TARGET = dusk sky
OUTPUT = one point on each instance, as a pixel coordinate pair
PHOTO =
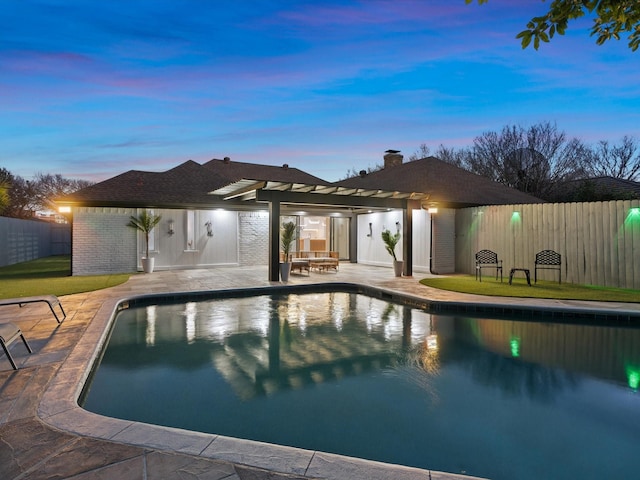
(92, 89)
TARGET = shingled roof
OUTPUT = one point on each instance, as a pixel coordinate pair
(192, 185)
(188, 184)
(235, 171)
(446, 184)
(600, 188)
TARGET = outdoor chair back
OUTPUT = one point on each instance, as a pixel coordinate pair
(487, 259)
(548, 260)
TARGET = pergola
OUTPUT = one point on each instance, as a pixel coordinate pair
(326, 196)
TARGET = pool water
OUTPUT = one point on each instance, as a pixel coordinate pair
(351, 374)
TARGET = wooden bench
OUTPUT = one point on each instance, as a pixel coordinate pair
(487, 259)
(548, 260)
(314, 260)
(300, 264)
(50, 300)
(9, 333)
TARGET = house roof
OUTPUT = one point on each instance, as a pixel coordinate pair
(225, 182)
(235, 171)
(609, 186)
(442, 183)
(188, 184)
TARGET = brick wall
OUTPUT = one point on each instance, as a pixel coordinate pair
(253, 229)
(102, 243)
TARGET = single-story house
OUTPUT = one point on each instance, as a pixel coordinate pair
(224, 212)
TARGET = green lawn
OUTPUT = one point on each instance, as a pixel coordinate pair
(543, 289)
(50, 275)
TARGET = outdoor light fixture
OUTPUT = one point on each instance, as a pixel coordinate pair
(432, 210)
(65, 209)
(634, 212)
(209, 229)
(171, 231)
(398, 226)
(633, 377)
(370, 234)
(514, 344)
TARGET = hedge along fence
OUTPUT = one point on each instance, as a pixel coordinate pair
(599, 241)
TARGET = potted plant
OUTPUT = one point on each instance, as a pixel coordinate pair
(145, 222)
(390, 241)
(287, 235)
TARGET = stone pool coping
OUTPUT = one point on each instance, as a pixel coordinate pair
(59, 405)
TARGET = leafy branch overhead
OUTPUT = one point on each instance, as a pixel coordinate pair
(613, 18)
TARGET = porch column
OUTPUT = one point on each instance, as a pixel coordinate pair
(407, 238)
(353, 239)
(274, 240)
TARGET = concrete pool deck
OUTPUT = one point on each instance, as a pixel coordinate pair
(45, 434)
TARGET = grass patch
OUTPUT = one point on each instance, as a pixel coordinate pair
(543, 289)
(51, 275)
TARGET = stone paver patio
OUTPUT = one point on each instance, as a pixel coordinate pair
(45, 434)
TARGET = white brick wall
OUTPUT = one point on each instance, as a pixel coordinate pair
(102, 242)
(253, 230)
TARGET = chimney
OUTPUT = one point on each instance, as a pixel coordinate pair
(285, 166)
(226, 160)
(392, 158)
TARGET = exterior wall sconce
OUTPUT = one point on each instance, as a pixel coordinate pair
(370, 234)
(398, 226)
(171, 231)
(209, 229)
(432, 210)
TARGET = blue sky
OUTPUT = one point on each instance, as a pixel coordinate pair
(92, 89)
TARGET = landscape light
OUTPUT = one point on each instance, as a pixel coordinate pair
(633, 377)
(514, 343)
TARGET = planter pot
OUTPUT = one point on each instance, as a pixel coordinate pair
(148, 264)
(285, 270)
(397, 267)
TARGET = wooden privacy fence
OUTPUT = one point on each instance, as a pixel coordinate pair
(23, 240)
(599, 241)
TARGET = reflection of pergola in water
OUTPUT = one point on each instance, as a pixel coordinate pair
(266, 365)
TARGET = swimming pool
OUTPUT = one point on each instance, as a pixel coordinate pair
(353, 374)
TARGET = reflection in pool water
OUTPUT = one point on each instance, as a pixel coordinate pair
(351, 374)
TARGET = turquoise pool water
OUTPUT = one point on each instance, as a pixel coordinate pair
(355, 375)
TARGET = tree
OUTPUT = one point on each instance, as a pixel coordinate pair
(49, 186)
(620, 160)
(5, 187)
(422, 152)
(4, 195)
(26, 197)
(22, 195)
(613, 18)
(532, 160)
